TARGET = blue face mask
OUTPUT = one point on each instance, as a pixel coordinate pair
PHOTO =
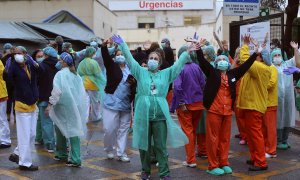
(223, 65)
(58, 66)
(39, 60)
(120, 59)
(152, 64)
(94, 44)
(163, 45)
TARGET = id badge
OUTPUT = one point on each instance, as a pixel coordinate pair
(153, 90)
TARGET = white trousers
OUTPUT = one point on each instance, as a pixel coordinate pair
(26, 130)
(4, 126)
(95, 111)
(116, 125)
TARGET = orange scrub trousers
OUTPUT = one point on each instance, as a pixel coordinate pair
(218, 127)
(252, 100)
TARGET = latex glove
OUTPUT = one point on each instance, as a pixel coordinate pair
(117, 39)
(291, 70)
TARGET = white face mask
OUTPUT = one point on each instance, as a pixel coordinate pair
(19, 58)
(277, 60)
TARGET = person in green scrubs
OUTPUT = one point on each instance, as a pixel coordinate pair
(152, 119)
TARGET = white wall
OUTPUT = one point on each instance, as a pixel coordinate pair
(176, 35)
(104, 21)
(38, 10)
(128, 20)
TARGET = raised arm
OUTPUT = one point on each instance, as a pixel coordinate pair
(108, 62)
(296, 53)
(177, 67)
(135, 68)
(205, 66)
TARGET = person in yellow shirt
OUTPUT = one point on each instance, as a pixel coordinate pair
(93, 81)
(22, 72)
(252, 102)
(270, 117)
(4, 126)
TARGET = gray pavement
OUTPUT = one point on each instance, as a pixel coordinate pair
(96, 166)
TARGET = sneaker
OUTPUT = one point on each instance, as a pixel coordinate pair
(271, 155)
(165, 178)
(30, 168)
(70, 164)
(288, 145)
(192, 165)
(50, 150)
(110, 155)
(14, 158)
(227, 169)
(56, 158)
(145, 176)
(282, 146)
(123, 158)
(216, 172)
(243, 142)
(4, 146)
(256, 168)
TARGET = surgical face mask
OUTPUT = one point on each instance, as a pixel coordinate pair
(163, 45)
(120, 59)
(19, 58)
(58, 65)
(94, 44)
(152, 64)
(223, 65)
(39, 60)
(277, 60)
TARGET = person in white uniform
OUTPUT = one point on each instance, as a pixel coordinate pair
(119, 93)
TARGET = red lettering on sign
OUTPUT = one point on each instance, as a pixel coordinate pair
(157, 5)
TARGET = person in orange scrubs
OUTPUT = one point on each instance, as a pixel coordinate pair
(219, 97)
(270, 117)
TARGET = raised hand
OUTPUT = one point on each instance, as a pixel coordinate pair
(117, 39)
(105, 42)
(291, 70)
(294, 45)
(193, 47)
(246, 39)
(254, 41)
(202, 41)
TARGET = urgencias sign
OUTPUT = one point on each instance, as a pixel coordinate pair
(157, 5)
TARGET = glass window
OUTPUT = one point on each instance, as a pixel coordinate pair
(146, 22)
(192, 20)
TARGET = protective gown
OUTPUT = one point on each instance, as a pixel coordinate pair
(69, 104)
(286, 100)
(162, 80)
(88, 68)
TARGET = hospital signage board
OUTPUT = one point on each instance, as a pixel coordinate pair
(241, 7)
(257, 31)
(157, 5)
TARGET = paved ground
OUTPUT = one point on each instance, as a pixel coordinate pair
(96, 166)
